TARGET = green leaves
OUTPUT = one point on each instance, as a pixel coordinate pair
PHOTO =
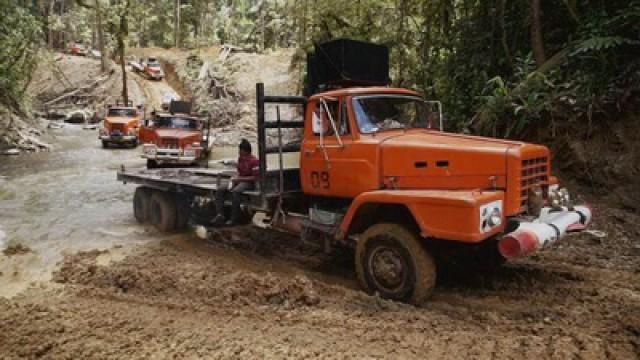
(599, 43)
(20, 37)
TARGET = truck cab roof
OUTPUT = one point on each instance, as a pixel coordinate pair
(373, 90)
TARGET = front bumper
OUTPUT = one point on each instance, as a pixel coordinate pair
(118, 138)
(169, 156)
(551, 226)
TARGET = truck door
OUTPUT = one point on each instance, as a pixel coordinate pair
(145, 133)
(330, 163)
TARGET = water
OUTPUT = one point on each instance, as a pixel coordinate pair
(62, 201)
(69, 200)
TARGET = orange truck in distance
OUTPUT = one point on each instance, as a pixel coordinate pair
(120, 125)
(175, 137)
(378, 173)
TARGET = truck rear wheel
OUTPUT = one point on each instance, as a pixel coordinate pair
(391, 261)
(183, 210)
(162, 211)
(151, 164)
(141, 200)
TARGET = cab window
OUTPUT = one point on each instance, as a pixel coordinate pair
(321, 119)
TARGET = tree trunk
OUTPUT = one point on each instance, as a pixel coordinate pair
(400, 43)
(537, 41)
(176, 24)
(52, 3)
(103, 55)
(122, 35)
(503, 36)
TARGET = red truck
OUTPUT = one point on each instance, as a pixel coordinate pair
(377, 175)
(150, 68)
(175, 137)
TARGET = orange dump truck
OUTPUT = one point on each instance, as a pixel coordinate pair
(376, 173)
(120, 125)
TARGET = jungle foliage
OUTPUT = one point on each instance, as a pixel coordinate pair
(501, 67)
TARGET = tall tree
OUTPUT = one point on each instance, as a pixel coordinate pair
(123, 32)
(176, 24)
(537, 40)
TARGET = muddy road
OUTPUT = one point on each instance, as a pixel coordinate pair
(79, 278)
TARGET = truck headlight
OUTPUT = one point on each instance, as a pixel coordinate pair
(490, 215)
(149, 150)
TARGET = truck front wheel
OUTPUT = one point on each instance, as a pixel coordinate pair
(391, 261)
(162, 211)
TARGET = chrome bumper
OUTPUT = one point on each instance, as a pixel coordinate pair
(115, 138)
(169, 155)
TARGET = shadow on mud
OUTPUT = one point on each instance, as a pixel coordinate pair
(338, 266)
(510, 277)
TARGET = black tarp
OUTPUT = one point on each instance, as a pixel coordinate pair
(180, 107)
(346, 62)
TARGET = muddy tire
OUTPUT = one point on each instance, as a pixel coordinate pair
(152, 164)
(162, 211)
(141, 202)
(183, 210)
(392, 261)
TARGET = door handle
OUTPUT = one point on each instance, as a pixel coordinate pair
(308, 152)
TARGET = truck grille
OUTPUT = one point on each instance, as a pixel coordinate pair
(169, 143)
(534, 172)
(117, 128)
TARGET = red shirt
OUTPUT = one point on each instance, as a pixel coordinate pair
(248, 165)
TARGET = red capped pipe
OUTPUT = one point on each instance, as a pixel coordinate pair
(518, 243)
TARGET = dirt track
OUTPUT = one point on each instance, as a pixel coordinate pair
(125, 291)
(247, 295)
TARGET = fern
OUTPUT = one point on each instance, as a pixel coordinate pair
(599, 43)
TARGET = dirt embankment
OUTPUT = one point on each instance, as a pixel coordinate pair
(250, 294)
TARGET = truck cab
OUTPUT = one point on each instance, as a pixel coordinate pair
(120, 125)
(174, 139)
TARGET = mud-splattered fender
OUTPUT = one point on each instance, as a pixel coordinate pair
(443, 214)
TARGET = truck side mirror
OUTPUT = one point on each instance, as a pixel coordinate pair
(438, 105)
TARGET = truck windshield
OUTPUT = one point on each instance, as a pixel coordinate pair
(176, 123)
(121, 112)
(386, 112)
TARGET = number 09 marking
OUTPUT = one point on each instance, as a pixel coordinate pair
(320, 180)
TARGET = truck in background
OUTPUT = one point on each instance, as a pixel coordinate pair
(150, 68)
(120, 125)
(378, 174)
(175, 137)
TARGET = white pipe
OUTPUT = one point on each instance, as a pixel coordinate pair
(551, 226)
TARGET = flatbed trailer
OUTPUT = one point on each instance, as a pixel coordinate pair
(193, 190)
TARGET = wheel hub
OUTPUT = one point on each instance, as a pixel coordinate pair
(387, 268)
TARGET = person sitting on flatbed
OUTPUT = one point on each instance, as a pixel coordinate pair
(247, 168)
